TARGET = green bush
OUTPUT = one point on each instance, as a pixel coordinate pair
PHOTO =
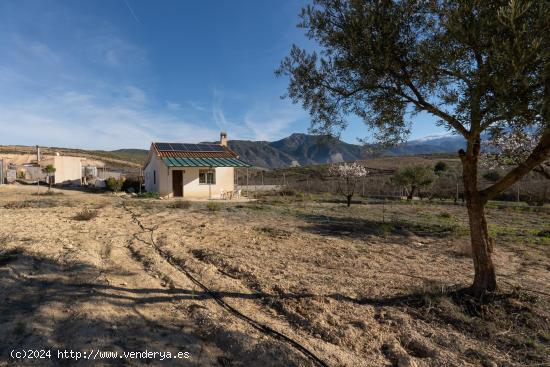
(213, 206)
(492, 176)
(440, 167)
(114, 184)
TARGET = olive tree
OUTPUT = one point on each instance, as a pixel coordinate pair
(479, 67)
(49, 170)
(414, 178)
(347, 174)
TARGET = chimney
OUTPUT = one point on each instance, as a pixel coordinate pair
(223, 139)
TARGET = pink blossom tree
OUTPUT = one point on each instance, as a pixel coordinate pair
(347, 174)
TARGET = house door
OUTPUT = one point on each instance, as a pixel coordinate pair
(177, 183)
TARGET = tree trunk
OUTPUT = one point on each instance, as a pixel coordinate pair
(348, 197)
(482, 244)
(411, 193)
(482, 248)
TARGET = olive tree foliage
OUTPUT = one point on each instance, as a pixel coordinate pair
(49, 170)
(413, 178)
(479, 67)
(348, 175)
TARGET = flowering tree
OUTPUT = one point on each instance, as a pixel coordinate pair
(348, 174)
(508, 149)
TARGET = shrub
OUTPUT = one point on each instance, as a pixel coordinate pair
(131, 184)
(86, 214)
(440, 167)
(213, 206)
(181, 204)
(114, 184)
(492, 176)
(287, 192)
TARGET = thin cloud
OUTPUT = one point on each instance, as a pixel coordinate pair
(87, 121)
(131, 11)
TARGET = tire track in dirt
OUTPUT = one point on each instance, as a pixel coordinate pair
(263, 328)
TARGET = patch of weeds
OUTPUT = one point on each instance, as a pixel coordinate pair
(148, 195)
(18, 204)
(48, 193)
(213, 206)
(515, 322)
(287, 192)
(545, 233)
(274, 232)
(180, 204)
(255, 206)
(86, 214)
(445, 215)
(385, 229)
(45, 203)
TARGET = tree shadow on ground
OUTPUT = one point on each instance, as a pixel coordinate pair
(43, 306)
(326, 225)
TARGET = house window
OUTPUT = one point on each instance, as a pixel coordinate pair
(207, 177)
(154, 177)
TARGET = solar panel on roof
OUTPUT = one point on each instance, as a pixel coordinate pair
(178, 147)
(164, 147)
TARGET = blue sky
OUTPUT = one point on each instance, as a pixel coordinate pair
(111, 74)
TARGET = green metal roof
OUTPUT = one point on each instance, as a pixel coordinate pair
(204, 162)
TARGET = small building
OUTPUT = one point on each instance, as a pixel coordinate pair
(68, 170)
(191, 170)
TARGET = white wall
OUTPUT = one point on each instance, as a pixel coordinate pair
(163, 183)
(67, 169)
(191, 187)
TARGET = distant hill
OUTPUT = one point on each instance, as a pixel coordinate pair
(304, 149)
(296, 149)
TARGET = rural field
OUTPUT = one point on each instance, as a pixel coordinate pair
(293, 280)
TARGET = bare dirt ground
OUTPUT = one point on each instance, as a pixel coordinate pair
(279, 282)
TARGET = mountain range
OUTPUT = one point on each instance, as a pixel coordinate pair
(296, 149)
(303, 149)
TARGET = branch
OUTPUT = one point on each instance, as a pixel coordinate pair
(427, 106)
(537, 156)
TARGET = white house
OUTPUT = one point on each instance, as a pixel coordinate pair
(191, 170)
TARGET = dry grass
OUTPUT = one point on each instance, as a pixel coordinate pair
(180, 204)
(213, 206)
(371, 285)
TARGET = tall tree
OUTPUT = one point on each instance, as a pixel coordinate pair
(480, 67)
